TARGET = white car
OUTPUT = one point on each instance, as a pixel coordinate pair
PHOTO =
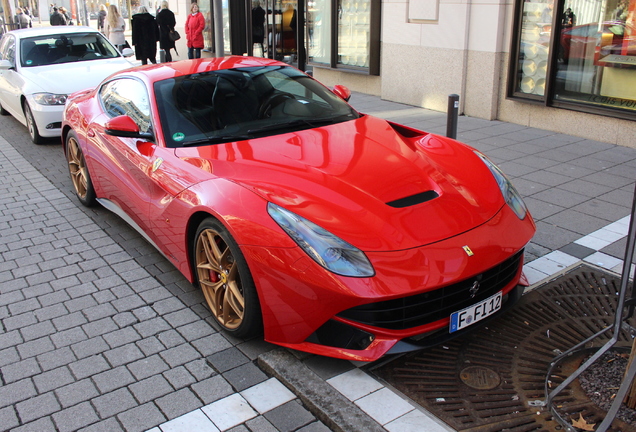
(40, 67)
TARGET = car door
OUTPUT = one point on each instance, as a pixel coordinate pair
(11, 82)
(119, 167)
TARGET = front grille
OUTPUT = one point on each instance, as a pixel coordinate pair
(428, 307)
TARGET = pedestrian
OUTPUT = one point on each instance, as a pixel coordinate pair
(63, 11)
(28, 13)
(258, 26)
(101, 18)
(22, 19)
(115, 26)
(194, 31)
(145, 34)
(166, 22)
(2, 30)
(57, 19)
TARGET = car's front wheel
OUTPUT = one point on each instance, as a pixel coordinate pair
(222, 273)
(33, 128)
(79, 171)
(3, 111)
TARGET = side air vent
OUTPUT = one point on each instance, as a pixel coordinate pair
(414, 199)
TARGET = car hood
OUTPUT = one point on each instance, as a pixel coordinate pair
(376, 185)
(85, 74)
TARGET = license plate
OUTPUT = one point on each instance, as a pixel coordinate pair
(475, 313)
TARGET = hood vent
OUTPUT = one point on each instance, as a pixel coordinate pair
(414, 199)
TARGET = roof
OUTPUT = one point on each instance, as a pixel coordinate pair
(51, 30)
(161, 71)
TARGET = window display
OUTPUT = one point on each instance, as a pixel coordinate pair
(344, 34)
(353, 32)
(319, 30)
(594, 64)
(536, 30)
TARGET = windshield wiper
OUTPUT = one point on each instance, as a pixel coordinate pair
(216, 140)
(294, 124)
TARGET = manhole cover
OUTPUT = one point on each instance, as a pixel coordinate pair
(480, 378)
(484, 381)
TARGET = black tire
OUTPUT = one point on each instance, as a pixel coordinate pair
(31, 126)
(222, 273)
(80, 177)
(3, 111)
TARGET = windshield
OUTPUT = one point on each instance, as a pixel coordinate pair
(56, 49)
(236, 104)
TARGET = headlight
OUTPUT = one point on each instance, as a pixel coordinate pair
(331, 252)
(508, 191)
(49, 98)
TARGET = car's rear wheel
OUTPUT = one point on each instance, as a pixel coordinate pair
(222, 273)
(3, 111)
(79, 171)
(33, 128)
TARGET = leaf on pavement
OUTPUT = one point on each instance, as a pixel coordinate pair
(582, 424)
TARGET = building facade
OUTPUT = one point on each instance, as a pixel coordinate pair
(564, 65)
(568, 66)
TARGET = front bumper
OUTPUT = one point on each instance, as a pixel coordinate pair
(303, 304)
(48, 118)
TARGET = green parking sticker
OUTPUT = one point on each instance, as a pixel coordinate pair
(178, 136)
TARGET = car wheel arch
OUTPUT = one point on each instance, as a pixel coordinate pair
(193, 225)
(30, 122)
(250, 320)
(65, 131)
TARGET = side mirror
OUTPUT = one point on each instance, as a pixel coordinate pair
(125, 127)
(127, 52)
(342, 91)
(5, 64)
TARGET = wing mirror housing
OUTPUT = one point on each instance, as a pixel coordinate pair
(125, 127)
(5, 64)
(342, 91)
(127, 52)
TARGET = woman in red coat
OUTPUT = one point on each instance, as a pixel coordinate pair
(194, 31)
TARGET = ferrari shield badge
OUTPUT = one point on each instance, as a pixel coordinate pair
(156, 164)
(468, 251)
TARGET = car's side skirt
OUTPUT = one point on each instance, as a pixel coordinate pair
(111, 206)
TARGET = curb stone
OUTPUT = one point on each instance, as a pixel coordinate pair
(326, 403)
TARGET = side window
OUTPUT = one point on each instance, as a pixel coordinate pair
(127, 96)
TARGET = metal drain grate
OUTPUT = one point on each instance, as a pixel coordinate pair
(483, 381)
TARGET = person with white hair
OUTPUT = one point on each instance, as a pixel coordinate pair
(145, 35)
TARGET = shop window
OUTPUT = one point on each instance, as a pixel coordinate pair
(578, 54)
(344, 34)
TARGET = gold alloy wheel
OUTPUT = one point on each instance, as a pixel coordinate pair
(219, 278)
(77, 167)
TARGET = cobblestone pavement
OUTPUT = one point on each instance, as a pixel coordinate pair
(99, 332)
(97, 329)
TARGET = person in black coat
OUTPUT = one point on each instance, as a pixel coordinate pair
(258, 25)
(166, 23)
(57, 18)
(145, 35)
